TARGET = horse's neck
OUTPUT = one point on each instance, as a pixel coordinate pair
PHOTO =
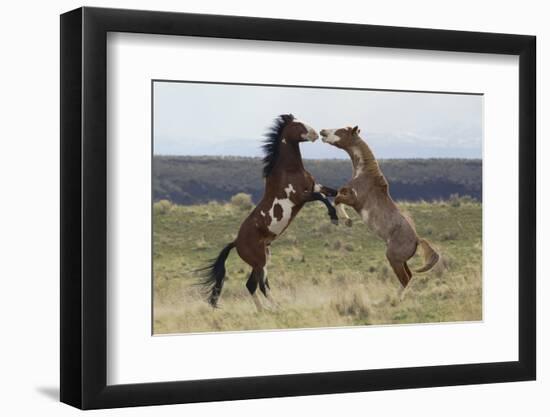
(290, 157)
(363, 160)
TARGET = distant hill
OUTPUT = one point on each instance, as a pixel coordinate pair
(193, 180)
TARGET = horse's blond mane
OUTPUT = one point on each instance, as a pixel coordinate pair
(364, 160)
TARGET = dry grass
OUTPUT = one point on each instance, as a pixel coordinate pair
(321, 275)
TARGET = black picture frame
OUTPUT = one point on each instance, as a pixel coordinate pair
(84, 207)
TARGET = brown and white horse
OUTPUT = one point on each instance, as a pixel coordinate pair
(368, 193)
(288, 186)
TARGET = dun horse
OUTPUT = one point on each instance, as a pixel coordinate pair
(367, 192)
(288, 186)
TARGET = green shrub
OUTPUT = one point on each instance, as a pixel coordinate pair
(162, 207)
(454, 200)
(242, 201)
(466, 199)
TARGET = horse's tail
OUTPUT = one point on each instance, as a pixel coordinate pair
(214, 275)
(430, 255)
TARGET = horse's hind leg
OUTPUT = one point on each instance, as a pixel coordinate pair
(266, 291)
(403, 290)
(262, 282)
(399, 250)
(267, 262)
(254, 254)
(400, 269)
(258, 278)
(266, 288)
(252, 286)
(409, 273)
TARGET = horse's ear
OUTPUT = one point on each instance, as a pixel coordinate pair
(356, 130)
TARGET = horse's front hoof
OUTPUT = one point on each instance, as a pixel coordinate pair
(348, 222)
(334, 221)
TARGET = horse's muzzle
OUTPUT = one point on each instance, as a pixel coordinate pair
(311, 135)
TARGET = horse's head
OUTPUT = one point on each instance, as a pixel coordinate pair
(342, 138)
(297, 131)
(286, 130)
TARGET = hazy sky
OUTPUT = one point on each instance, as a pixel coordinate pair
(215, 119)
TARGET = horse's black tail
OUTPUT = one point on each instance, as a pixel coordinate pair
(214, 275)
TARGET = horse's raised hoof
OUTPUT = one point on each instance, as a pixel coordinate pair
(348, 222)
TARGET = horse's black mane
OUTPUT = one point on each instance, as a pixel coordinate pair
(272, 140)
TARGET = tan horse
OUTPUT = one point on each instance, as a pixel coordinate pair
(367, 192)
(288, 186)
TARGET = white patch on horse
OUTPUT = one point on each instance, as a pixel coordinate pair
(317, 188)
(365, 215)
(330, 137)
(311, 133)
(278, 226)
(284, 140)
(371, 224)
(354, 192)
(358, 165)
(262, 213)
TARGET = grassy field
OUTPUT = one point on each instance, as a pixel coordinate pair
(321, 275)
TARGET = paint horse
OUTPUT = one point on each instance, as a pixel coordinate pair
(288, 186)
(368, 193)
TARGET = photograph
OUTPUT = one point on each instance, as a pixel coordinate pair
(278, 207)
